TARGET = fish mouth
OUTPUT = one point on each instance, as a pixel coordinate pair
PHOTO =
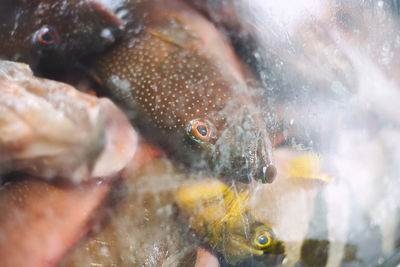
(267, 175)
(245, 175)
(249, 158)
(263, 167)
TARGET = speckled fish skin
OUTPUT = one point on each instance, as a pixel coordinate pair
(81, 27)
(178, 69)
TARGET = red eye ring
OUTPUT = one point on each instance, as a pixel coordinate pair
(200, 130)
(46, 37)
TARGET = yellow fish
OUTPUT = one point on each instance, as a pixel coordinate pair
(307, 166)
(221, 216)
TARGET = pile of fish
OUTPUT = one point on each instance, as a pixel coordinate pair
(199, 133)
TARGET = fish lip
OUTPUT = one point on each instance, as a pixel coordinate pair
(246, 175)
(268, 174)
(237, 174)
(258, 165)
(265, 175)
(263, 163)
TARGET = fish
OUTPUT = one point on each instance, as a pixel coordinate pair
(50, 34)
(307, 213)
(157, 207)
(305, 218)
(52, 218)
(344, 220)
(50, 130)
(223, 218)
(144, 229)
(220, 215)
(318, 59)
(180, 82)
(41, 221)
(281, 44)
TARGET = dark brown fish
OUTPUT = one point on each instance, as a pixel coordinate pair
(52, 31)
(189, 93)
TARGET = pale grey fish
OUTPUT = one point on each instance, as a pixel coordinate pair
(49, 129)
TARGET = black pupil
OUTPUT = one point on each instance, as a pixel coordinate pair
(202, 130)
(47, 37)
(263, 240)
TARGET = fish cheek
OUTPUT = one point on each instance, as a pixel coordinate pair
(201, 155)
(207, 147)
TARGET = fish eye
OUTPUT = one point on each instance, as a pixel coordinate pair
(46, 37)
(200, 130)
(263, 240)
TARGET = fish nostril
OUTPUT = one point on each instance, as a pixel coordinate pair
(269, 174)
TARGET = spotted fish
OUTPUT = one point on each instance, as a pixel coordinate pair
(51, 32)
(182, 84)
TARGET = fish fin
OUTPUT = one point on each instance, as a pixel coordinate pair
(103, 12)
(238, 204)
(197, 193)
(307, 167)
(172, 30)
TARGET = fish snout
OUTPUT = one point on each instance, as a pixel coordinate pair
(267, 174)
(264, 169)
(249, 159)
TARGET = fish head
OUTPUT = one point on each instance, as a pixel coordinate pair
(235, 143)
(265, 239)
(249, 153)
(221, 215)
(53, 31)
(252, 239)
